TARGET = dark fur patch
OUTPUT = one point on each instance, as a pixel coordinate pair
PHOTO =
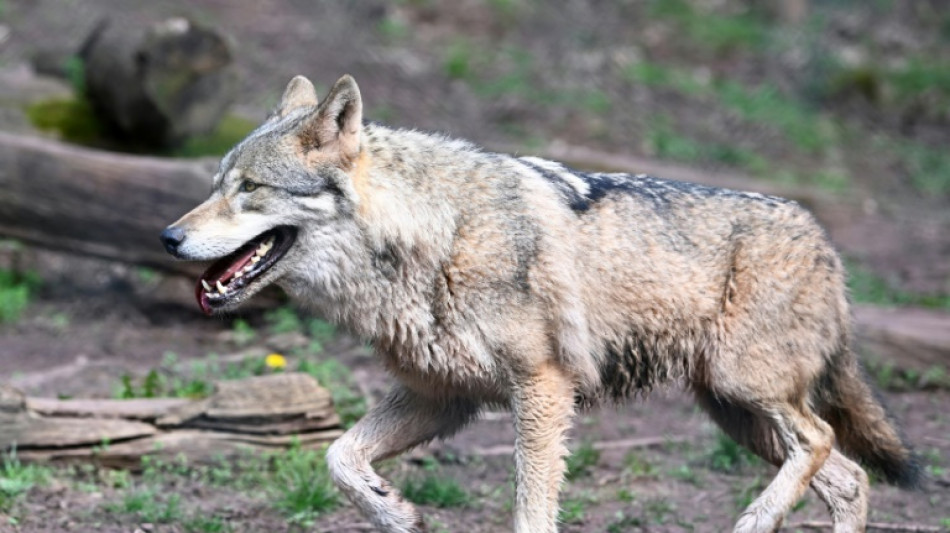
(387, 260)
(638, 365)
(658, 192)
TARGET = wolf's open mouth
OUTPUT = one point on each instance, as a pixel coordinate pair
(230, 276)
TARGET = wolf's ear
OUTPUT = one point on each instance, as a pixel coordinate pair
(299, 93)
(338, 121)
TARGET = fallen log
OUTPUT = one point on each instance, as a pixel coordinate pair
(96, 203)
(259, 413)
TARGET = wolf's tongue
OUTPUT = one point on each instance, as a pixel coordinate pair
(238, 264)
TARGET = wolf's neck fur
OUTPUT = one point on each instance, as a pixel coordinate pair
(388, 283)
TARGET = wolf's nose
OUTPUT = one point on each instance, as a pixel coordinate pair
(171, 238)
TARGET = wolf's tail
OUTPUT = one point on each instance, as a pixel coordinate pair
(862, 426)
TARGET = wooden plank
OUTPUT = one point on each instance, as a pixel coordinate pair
(134, 409)
(200, 447)
(61, 432)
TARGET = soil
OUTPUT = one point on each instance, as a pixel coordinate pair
(93, 322)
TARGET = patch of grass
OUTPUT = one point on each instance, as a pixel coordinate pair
(16, 291)
(149, 505)
(582, 461)
(301, 483)
(654, 74)
(664, 142)
(392, 29)
(721, 34)
(16, 479)
(283, 320)
(242, 332)
(867, 287)
(336, 377)
(622, 523)
(749, 492)
(434, 490)
(200, 523)
(728, 455)
(685, 473)
(458, 60)
(929, 168)
(659, 510)
(765, 104)
(888, 376)
(573, 510)
(637, 466)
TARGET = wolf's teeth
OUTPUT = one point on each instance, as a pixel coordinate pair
(248, 268)
(205, 285)
(255, 259)
(239, 273)
(220, 287)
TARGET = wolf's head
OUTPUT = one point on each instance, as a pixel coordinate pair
(286, 185)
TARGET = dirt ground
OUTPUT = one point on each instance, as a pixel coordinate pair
(672, 484)
(93, 322)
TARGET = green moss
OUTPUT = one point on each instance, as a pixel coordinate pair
(75, 121)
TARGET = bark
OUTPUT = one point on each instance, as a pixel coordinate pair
(96, 203)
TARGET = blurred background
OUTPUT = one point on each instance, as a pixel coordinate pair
(112, 117)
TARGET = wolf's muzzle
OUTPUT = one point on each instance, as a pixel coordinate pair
(172, 237)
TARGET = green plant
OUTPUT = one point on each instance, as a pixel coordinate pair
(16, 291)
(457, 63)
(719, 33)
(659, 509)
(685, 473)
(334, 376)
(17, 478)
(867, 287)
(728, 455)
(581, 461)
(573, 510)
(200, 523)
(283, 320)
(637, 466)
(242, 332)
(301, 483)
(434, 490)
(929, 168)
(624, 523)
(748, 492)
(149, 505)
(765, 104)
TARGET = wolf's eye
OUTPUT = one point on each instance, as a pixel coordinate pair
(248, 186)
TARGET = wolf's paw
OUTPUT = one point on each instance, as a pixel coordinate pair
(755, 520)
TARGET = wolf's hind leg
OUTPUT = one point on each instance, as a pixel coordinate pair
(543, 405)
(843, 485)
(401, 421)
(840, 483)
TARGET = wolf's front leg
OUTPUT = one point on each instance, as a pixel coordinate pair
(543, 404)
(402, 420)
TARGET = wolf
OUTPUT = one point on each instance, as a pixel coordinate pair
(488, 279)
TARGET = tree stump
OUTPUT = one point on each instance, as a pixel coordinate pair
(156, 86)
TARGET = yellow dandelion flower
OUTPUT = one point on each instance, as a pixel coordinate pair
(275, 361)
